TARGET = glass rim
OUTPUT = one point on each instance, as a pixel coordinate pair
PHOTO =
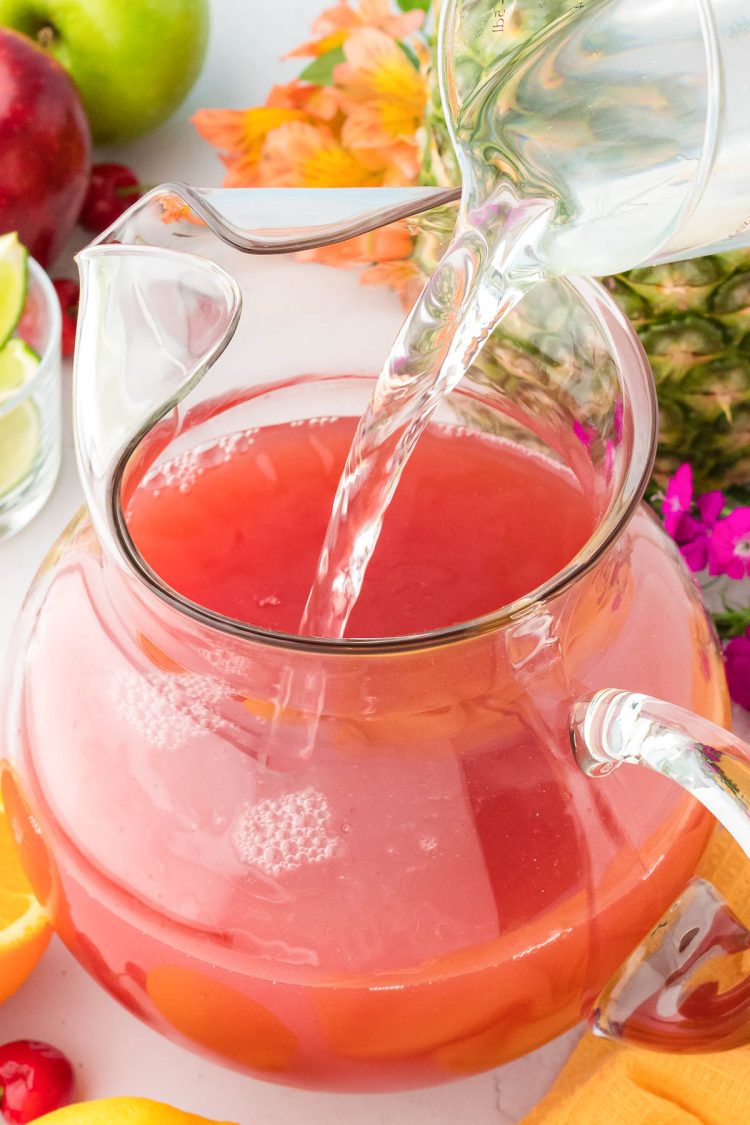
(640, 396)
(50, 355)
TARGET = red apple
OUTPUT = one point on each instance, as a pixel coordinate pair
(45, 147)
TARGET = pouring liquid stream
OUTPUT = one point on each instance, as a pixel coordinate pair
(496, 254)
(489, 265)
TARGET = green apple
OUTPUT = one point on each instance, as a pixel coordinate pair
(133, 61)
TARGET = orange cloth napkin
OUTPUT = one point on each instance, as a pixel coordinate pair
(606, 1083)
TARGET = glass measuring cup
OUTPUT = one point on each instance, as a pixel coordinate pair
(627, 115)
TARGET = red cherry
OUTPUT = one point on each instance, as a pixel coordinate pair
(68, 292)
(112, 189)
(35, 1079)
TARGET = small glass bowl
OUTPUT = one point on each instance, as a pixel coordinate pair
(31, 419)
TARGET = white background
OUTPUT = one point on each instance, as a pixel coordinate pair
(113, 1053)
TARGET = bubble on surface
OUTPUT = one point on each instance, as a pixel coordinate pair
(231, 444)
(226, 662)
(453, 430)
(167, 710)
(181, 472)
(280, 834)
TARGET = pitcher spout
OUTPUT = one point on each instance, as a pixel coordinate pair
(151, 323)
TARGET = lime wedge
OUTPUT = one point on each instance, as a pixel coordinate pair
(19, 442)
(18, 362)
(13, 281)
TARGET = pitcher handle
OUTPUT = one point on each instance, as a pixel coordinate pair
(687, 986)
(614, 727)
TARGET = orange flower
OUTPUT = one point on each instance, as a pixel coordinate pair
(176, 210)
(334, 26)
(405, 277)
(359, 131)
(302, 155)
(320, 102)
(399, 163)
(386, 244)
(382, 93)
(242, 171)
(242, 132)
(378, 14)
(386, 252)
(383, 97)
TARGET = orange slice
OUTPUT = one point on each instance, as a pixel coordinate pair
(124, 1111)
(24, 929)
(221, 1019)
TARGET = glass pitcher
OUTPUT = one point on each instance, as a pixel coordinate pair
(370, 863)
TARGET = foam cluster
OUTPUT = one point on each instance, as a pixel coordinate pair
(281, 834)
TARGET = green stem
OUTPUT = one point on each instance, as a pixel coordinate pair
(732, 623)
(47, 36)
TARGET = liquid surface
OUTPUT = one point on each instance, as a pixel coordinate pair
(475, 524)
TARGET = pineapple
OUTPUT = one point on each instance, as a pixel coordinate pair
(693, 317)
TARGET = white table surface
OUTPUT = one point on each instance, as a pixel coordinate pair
(114, 1054)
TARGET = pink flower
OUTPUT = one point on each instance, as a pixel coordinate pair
(711, 505)
(729, 548)
(692, 537)
(678, 498)
(584, 433)
(737, 664)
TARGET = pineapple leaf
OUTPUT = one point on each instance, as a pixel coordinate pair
(734, 295)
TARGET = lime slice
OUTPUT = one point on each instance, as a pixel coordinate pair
(18, 362)
(13, 282)
(19, 442)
